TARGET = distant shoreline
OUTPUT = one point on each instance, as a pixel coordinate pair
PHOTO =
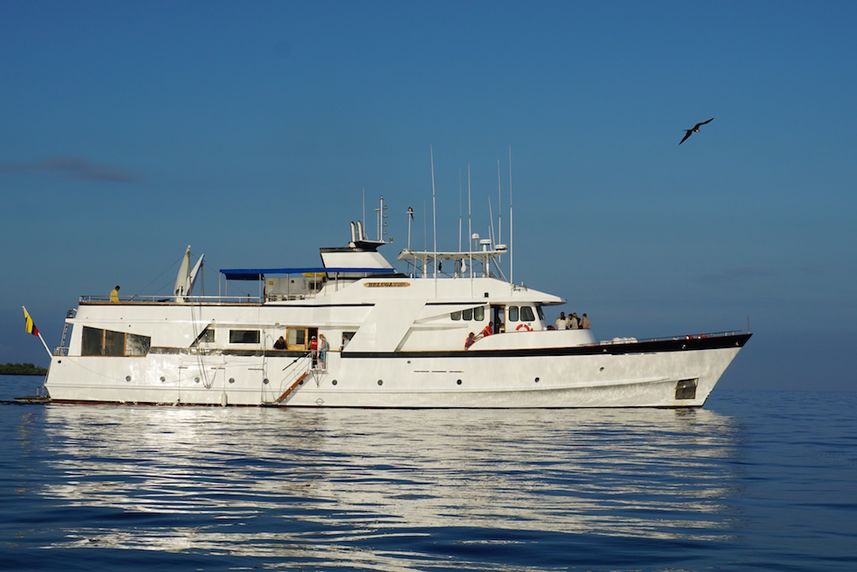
(21, 369)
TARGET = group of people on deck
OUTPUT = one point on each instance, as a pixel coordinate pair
(472, 337)
(572, 322)
(318, 347)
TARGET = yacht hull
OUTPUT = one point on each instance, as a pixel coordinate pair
(677, 372)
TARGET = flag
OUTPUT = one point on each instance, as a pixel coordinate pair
(29, 325)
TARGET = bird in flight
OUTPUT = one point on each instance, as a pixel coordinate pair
(694, 129)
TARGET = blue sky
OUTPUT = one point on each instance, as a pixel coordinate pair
(249, 129)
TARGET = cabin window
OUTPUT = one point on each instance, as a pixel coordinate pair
(476, 314)
(527, 314)
(205, 336)
(244, 336)
(540, 312)
(513, 313)
(92, 341)
(137, 345)
(346, 337)
(296, 337)
(98, 342)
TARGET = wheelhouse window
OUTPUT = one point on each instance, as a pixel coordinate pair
(471, 314)
(244, 336)
(521, 314)
(99, 342)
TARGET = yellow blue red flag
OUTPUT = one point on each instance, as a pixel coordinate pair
(29, 325)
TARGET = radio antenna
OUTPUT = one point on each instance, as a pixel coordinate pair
(499, 206)
(433, 213)
(511, 225)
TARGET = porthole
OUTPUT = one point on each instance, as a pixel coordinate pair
(380, 382)
(334, 382)
(231, 380)
(266, 381)
(537, 380)
(458, 382)
(127, 378)
(163, 379)
(601, 368)
(196, 380)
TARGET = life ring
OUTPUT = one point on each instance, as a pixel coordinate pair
(523, 326)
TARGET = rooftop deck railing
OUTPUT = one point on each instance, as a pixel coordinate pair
(147, 299)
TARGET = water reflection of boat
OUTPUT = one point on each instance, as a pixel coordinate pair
(329, 483)
(354, 332)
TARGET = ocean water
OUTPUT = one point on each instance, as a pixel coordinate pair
(764, 480)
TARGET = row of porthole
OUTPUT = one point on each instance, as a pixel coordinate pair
(457, 381)
(196, 379)
(267, 381)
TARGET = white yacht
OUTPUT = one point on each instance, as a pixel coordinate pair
(358, 333)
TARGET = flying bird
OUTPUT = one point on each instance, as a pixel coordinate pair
(694, 129)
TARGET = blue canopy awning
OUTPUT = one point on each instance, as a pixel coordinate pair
(260, 273)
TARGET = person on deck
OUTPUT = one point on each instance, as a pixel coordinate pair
(313, 350)
(114, 295)
(585, 322)
(280, 344)
(573, 322)
(561, 321)
(471, 339)
(323, 346)
(488, 330)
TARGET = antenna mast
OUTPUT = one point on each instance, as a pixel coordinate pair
(433, 213)
(511, 225)
(499, 206)
(410, 220)
(459, 210)
(469, 224)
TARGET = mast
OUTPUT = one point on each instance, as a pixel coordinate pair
(511, 225)
(459, 210)
(469, 224)
(499, 206)
(433, 214)
(410, 220)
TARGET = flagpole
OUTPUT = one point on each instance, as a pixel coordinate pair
(26, 313)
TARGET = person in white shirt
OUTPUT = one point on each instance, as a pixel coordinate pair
(561, 322)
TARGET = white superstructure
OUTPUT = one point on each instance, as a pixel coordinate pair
(394, 340)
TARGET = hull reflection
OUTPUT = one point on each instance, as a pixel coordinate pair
(387, 489)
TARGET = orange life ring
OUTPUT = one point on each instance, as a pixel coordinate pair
(524, 326)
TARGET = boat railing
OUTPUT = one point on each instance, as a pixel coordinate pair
(150, 299)
(674, 338)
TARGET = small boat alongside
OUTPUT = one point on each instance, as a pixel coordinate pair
(357, 332)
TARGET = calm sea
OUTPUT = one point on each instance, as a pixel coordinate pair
(756, 480)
